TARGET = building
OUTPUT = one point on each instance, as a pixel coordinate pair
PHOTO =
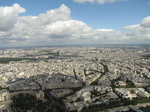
(4, 95)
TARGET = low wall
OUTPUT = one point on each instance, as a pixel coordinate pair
(33, 93)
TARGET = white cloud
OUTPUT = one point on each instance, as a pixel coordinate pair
(105, 30)
(139, 31)
(71, 29)
(148, 3)
(109, 35)
(98, 1)
(133, 27)
(9, 16)
(57, 27)
(146, 22)
(82, 1)
(62, 14)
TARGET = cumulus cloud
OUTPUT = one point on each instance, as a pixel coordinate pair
(62, 14)
(57, 27)
(71, 29)
(9, 16)
(133, 27)
(146, 22)
(139, 31)
(98, 1)
(29, 28)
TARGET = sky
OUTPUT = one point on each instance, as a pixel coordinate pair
(71, 22)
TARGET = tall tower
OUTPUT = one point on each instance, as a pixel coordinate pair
(75, 75)
(4, 95)
(40, 95)
(83, 77)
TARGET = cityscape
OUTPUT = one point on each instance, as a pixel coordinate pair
(74, 55)
(81, 78)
